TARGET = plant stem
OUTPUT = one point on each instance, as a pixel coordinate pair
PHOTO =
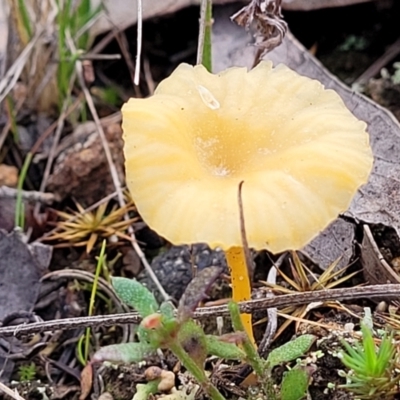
(196, 371)
(19, 206)
(257, 363)
(207, 50)
(204, 54)
(23, 22)
(99, 266)
(252, 356)
(241, 288)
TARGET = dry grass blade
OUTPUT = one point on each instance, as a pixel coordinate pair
(390, 319)
(9, 392)
(139, 41)
(301, 282)
(11, 77)
(33, 20)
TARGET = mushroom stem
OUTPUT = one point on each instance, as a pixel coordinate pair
(241, 288)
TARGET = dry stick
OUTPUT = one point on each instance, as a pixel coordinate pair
(54, 125)
(391, 53)
(103, 42)
(96, 57)
(373, 291)
(113, 169)
(42, 197)
(148, 77)
(139, 40)
(103, 286)
(123, 44)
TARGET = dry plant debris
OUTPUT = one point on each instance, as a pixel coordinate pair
(303, 280)
(81, 228)
(268, 20)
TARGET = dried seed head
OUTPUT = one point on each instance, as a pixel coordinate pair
(266, 16)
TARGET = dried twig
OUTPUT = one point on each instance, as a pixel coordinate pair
(148, 77)
(390, 54)
(123, 44)
(103, 286)
(369, 292)
(46, 198)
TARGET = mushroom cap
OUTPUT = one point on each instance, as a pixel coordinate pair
(300, 152)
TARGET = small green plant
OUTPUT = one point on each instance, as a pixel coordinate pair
(27, 372)
(84, 340)
(355, 43)
(166, 328)
(72, 19)
(372, 368)
(395, 77)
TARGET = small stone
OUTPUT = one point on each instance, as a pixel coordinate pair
(8, 175)
(106, 396)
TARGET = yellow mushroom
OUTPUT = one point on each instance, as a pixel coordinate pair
(300, 152)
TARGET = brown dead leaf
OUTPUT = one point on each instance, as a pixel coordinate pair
(268, 21)
(376, 269)
(20, 260)
(86, 381)
(335, 242)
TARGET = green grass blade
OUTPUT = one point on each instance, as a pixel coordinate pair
(25, 20)
(207, 50)
(19, 205)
